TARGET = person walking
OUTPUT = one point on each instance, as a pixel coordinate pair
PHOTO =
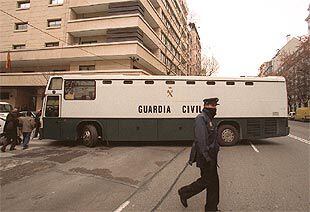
(10, 130)
(28, 124)
(204, 153)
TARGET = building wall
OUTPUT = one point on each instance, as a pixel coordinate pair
(80, 22)
(195, 51)
(308, 20)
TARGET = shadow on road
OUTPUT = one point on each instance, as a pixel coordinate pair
(104, 144)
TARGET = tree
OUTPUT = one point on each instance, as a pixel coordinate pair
(295, 68)
(209, 66)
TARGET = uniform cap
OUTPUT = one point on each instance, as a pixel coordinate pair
(211, 101)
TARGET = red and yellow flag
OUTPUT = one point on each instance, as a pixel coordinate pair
(8, 64)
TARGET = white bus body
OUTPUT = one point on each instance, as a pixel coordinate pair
(123, 108)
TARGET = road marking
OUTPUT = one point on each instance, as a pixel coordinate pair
(252, 145)
(299, 139)
(120, 208)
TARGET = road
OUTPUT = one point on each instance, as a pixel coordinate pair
(260, 175)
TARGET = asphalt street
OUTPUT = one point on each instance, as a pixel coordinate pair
(259, 175)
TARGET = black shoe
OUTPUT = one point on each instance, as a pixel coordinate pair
(11, 149)
(2, 149)
(212, 210)
(182, 199)
(25, 147)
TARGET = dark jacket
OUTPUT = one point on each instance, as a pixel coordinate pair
(205, 147)
(11, 124)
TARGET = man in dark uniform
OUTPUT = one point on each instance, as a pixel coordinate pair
(10, 130)
(204, 152)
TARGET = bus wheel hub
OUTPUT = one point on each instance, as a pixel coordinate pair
(86, 135)
(228, 135)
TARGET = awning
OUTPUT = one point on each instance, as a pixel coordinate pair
(23, 79)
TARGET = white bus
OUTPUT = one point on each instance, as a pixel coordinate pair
(161, 108)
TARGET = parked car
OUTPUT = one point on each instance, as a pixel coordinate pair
(303, 114)
(291, 115)
(2, 122)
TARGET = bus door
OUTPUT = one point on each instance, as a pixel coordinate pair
(52, 120)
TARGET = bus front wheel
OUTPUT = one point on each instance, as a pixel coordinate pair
(228, 135)
(89, 135)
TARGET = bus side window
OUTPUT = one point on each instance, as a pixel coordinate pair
(149, 82)
(107, 82)
(190, 82)
(170, 82)
(80, 90)
(128, 82)
(55, 83)
(52, 106)
(230, 83)
(249, 83)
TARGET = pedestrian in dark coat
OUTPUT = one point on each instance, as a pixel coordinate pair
(10, 130)
(204, 153)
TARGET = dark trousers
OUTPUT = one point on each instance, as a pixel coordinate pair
(36, 132)
(10, 139)
(209, 180)
(26, 138)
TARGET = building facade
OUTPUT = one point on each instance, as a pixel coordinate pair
(195, 51)
(41, 38)
(308, 20)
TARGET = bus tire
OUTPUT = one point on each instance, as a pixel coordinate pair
(89, 135)
(228, 135)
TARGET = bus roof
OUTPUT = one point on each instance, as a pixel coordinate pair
(163, 77)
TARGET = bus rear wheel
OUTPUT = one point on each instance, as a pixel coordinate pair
(228, 135)
(89, 135)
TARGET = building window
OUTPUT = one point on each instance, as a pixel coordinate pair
(52, 44)
(19, 46)
(23, 4)
(54, 23)
(56, 2)
(21, 26)
(87, 67)
(80, 89)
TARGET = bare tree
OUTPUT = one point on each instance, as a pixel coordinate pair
(209, 66)
(295, 68)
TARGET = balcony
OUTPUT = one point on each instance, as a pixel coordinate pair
(91, 52)
(104, 8)
(114, 29)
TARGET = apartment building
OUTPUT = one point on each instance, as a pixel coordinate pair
(40, 38)
(308, 20)
(195, 51)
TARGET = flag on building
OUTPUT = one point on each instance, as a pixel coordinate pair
(8, 64)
